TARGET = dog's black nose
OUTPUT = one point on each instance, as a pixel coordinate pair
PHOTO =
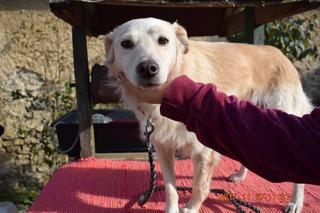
(148, 69)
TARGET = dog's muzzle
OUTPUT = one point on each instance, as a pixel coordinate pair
(148, 69)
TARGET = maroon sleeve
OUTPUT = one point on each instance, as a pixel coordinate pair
(273, 144)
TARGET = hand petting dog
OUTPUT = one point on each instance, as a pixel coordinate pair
(151, 95)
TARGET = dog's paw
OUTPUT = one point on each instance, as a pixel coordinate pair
(172, 210)
(187, 210)
(236, 178)
(293, 208)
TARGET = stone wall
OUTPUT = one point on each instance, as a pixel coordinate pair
(36, 67)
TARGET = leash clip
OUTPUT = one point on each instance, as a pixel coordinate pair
(149, 128)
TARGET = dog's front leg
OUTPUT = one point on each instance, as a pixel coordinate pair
(296, 203)
(166, 159)
(203, 163)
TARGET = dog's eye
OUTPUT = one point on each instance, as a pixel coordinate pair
(163, 40)
(127, 44)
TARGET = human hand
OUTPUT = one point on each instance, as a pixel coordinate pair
(151, 95)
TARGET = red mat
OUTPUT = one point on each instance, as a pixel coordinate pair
(92, 186)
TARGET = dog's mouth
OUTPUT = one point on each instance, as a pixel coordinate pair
(142, 83)
(149, 85)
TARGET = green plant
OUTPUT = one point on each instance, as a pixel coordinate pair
(21, 196)
(293, 37)
(63, 101)
(16, 95)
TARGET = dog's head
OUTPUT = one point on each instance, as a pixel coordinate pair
(145, 50)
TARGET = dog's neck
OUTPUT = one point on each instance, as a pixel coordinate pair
(140, 108)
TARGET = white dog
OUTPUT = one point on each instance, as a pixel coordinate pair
(147, 50)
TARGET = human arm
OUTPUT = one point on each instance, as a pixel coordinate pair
(271, 143)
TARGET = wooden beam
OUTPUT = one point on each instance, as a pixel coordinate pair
(166, 3)
(267, 14)
(81, 73)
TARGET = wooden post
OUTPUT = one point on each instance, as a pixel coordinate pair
(250, 24)
(80, 60)
(253, 35)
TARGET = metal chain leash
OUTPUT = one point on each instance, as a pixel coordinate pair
(153, 176)
(144, 197)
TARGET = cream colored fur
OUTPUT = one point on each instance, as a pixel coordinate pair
(261, 74)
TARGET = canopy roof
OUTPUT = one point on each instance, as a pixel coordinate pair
(224, 17)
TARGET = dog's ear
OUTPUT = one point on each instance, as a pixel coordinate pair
(108, 39)
(182, 36)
